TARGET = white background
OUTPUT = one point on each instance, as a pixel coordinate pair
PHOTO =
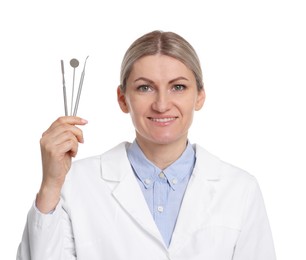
(254, 63)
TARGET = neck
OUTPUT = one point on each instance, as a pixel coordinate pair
(162, 155)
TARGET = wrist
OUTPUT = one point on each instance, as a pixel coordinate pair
(47, 198)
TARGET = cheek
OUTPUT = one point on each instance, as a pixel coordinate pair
(188, 105)
(137, 105)
(135, 109)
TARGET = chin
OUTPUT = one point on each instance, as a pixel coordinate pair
(166, 140)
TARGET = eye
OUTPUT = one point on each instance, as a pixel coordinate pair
(144, 88)
(179, 87)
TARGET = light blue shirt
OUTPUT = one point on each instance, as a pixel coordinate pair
(163, 189)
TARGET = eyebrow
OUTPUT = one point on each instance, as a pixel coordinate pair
(144, 79)
(152, 82)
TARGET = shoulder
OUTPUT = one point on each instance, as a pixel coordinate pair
(234, 191)
(89, 175)
(212, 167)
(92, 165)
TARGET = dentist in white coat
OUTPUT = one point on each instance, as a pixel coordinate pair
(157, 198)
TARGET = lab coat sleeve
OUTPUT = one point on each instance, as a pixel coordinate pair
(47, 236)
(255, 240)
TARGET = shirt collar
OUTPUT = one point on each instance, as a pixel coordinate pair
(148, 173)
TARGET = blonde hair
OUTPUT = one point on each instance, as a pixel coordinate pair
(166, 43)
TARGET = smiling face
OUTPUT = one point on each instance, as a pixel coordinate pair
(161, 96)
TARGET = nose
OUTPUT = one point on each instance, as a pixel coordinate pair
(162, 102)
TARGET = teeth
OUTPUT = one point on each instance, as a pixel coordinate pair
(162, 120)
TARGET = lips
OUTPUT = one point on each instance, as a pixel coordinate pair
(162, 120)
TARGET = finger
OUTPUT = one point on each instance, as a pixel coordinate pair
(70, 146)
(60, 129)
(71, 120)
(67, 130)
(58, 147)
(55, 138)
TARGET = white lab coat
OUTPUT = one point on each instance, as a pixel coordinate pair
(103, 216)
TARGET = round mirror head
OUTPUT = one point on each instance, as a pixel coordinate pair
(74, 63)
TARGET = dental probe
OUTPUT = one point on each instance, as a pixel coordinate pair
(80, 89)
(64, 88)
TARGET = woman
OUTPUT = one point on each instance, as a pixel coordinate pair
(159, 197)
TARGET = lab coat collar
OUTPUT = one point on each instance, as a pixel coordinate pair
(208, 163)
(114, 163)
(204, 160)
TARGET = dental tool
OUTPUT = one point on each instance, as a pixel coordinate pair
(64, 88)
(80, 89)
(74, 63)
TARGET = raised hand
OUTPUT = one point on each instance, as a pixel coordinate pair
(58, 145)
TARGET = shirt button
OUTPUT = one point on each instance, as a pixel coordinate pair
(160, 209)
(162, 175)
(147, 181)
(174, 181)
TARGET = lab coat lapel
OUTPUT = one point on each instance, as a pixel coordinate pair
(195, 210)
(126, 190)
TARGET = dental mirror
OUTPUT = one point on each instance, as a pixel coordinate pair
(74, 63)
